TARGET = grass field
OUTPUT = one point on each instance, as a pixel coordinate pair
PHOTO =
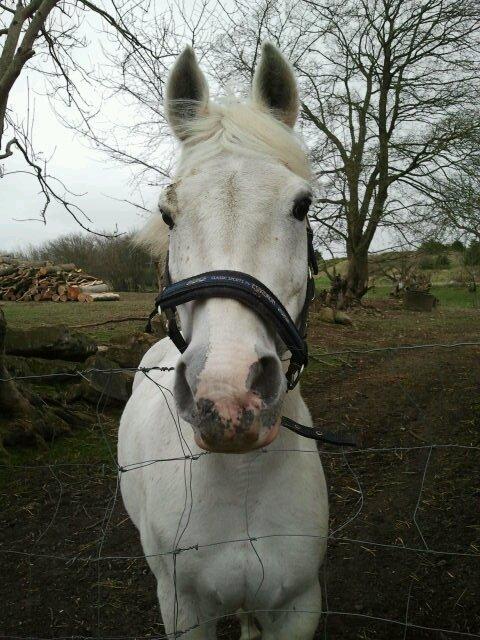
(449, 296)
(60, 509)
(30, 314)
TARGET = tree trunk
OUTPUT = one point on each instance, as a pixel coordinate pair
(357, 277)
(11, 401)
(15, 410)
(25, 418)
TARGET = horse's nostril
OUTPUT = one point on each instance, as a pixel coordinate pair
(183, 392)
(266, 379)
(222, 393)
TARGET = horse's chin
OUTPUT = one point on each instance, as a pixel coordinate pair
(237, 446)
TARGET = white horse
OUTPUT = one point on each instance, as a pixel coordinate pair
(252, 526)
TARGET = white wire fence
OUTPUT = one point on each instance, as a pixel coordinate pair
(405, 554)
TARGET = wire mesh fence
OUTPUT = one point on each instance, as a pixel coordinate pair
(353, 474)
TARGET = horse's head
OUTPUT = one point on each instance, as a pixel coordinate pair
(239, 202)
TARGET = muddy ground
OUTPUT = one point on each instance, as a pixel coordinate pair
(57, 519)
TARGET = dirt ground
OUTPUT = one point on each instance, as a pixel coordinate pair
(59, 518)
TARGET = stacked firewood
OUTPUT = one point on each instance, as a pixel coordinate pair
(26, 281)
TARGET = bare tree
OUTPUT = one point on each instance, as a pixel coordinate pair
(456, 201)
(138, 74)
(389, 95)
(43, 36)
(388, 87)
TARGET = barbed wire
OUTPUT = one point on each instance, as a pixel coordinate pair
(83, 373)
(189, 458)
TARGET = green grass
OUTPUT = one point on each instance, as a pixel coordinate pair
(451, 322)
(322, 282)
(33, 314)
(95, 444)
(449, 296)
(455, 297)
(458, 297)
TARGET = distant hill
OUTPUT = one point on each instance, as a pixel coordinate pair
(445, 266)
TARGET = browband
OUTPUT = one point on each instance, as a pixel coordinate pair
(246, 289)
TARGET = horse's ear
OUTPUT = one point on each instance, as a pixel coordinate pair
(186, 94)
(274, 85)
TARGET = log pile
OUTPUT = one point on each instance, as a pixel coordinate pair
(26, 281)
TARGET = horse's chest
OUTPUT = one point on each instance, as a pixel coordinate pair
(245, 574)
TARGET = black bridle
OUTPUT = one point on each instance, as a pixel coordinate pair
(254, 294)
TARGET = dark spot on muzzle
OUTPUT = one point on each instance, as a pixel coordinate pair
(214, 428)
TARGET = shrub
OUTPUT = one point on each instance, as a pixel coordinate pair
(471, 256)
(457, 245)
(426, 262)
(118, 261)
(442, 261)
(432, 247)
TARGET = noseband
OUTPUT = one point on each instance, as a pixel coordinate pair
(243, 287)
(252, 293)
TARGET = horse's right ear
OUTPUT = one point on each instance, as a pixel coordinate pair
(186, 94)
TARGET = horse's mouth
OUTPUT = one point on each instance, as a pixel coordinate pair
(238, 443)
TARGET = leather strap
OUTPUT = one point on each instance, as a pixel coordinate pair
(246, 289)
(344, 440)
(251, 292)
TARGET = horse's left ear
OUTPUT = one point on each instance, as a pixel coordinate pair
(186, 93)
(274, 85)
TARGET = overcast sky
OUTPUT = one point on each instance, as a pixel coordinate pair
(104, 183)
(83, 169)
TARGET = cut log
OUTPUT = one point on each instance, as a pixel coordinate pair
(103, 297)
(63, 370)
(84, 297)
(94, 288)
(15, 411)
(130, 354)
(20, 279)
(43, 271)
(72, 292)
(47, 295)
(103, 385)
(68, 266)
(49, 342)
(8, 270)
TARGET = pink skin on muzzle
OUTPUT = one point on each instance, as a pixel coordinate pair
(233, 399)
(228, 409)
(230, 446)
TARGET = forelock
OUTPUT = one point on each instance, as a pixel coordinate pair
(242, 128)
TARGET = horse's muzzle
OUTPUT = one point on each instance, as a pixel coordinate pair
(233, 429)
(231, 410)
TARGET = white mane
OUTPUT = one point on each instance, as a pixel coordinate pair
(237, 128)
(153, 236)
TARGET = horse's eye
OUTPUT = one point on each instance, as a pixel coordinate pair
(301, 207)
(167, 218)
